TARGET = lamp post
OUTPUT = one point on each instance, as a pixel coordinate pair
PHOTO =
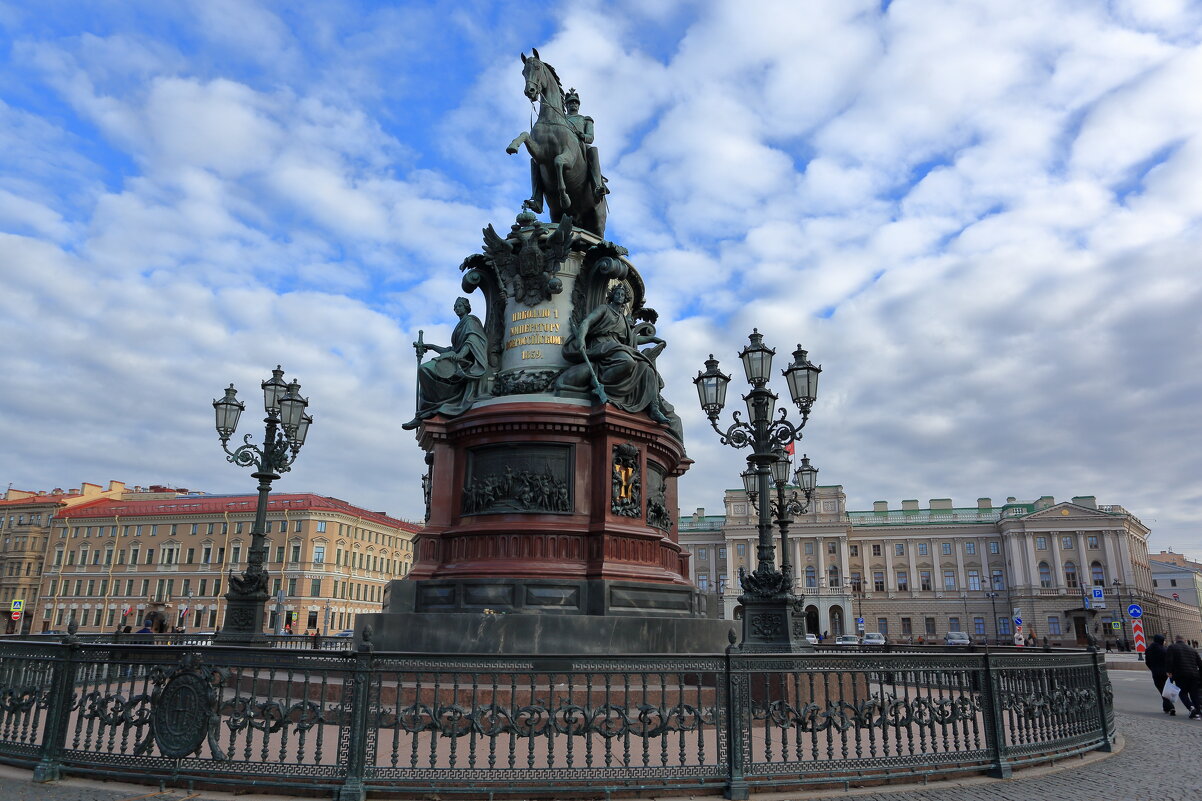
(286, 428)
(997, 635)
(1118, 591)
(325, 621)
(772, 619)
(784, 507)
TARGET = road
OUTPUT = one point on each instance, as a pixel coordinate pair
(1160, 760)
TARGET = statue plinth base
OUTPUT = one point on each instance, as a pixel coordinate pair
(243, 623)
(774, 625)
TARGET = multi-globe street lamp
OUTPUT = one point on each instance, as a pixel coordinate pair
(785, 506)
(287, 425)
(772, 619)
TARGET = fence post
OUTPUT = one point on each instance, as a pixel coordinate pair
(58, 710)
(995, 733)
(361, 679)
(1099, 665)
(736, 725)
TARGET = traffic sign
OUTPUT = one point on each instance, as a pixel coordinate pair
(1176, 597)
(18, 605)
(1137, 633)
(1099, 593)
(16, 615)
(1135, 611)
(1115, 624)
(1018, 621)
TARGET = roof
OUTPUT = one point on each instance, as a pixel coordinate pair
(221, 504)
(39, 499)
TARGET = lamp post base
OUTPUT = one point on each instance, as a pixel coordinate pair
(773, 625)
(243, 620)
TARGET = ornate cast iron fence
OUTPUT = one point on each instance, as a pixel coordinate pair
(356, 723)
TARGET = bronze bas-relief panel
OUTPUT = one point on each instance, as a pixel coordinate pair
(522, 477)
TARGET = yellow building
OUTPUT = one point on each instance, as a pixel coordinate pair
(164, 562)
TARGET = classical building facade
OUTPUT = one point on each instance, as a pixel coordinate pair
(25, 519)
(1067, 570)
(164, 561)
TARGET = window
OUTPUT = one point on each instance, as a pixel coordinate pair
(741, 550)
(722, 552)
(191, 556)
(1172, 582)
(203, 585)
(319, 554)
(809, 549)
(315, 588)
(853, 550)
(878, 581)
(978, 626)
(1003, 625)
(995, 547)
(924, 580)
(974, 580)
(899, 549)
(811, 576)
(832, 576)
(1070, 576)
(1092, 541)
(856, 582)
(1045, 575)
(297, 527)
(945, 548)
(321, 526)
(1053, 624)
(206, 554)
(930, 626)
(236, 553)
(924, 549)
(949, 579)
(195, 528)
(296, 549)
(876, 549)
(1041, 543)
(1097, 575)
(703, 582)
(907, 627)
(953, 624)
(1066, 543)
(722, 583)
(903, 582)
(832, 548)
(150, 556)
(882, 625)
(970, 548)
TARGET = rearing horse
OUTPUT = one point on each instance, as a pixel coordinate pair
(559, 168)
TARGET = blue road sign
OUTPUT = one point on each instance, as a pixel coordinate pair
(1135, 610)
(1018, 621)
(1099, 593)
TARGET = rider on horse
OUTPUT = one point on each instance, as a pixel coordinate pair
(583, 126)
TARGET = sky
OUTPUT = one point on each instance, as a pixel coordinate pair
(982, 219)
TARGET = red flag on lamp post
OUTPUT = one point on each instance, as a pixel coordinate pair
(791, 449)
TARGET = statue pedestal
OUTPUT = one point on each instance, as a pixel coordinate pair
(555, 508)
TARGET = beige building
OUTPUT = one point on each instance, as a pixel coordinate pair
(915, 573)
(25, 520)
(165, 560)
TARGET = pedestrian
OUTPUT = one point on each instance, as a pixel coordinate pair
(1157, 658)
(1108, 648)
(1185, 669)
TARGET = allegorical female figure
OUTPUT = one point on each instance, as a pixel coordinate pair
(609, 363)
(449, 383)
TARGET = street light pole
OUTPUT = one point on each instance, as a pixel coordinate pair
(287, 425)
(772, 618)
(1118, 590)
(997, 635)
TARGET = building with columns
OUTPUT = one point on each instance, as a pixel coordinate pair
(1066, 569)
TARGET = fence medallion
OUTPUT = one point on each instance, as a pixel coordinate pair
(180, 718)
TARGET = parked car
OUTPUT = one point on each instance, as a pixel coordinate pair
(812, 639)
(874, 638)
(956, 638)
(346, 633)
(847, 639)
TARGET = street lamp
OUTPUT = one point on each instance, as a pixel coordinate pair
(769, 606)
(287, 425)
(784, 506)
(993, 605)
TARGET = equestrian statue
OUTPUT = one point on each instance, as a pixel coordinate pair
(564, 166)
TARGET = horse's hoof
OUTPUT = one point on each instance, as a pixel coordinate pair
(511, 150)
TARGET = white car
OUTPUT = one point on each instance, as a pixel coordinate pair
(847, 639)
(956, 638)
(812, 639)
(874, 638)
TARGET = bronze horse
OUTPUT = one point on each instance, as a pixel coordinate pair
(559, 169)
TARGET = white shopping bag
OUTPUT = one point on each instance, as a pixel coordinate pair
(1171, 691)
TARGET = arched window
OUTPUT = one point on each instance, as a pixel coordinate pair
(832, 576)
(1097, 574)
(1070, 576)
(1045, 575)
(811, 577)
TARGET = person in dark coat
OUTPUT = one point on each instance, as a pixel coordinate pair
(1185, 669)
(1157, 659)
